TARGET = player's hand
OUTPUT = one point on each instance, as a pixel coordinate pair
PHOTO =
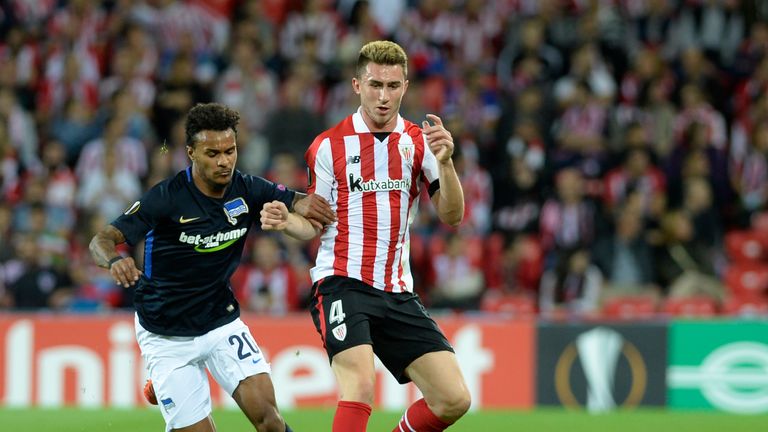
(274, 216)
(124, 272)
(439, 138)
(316, 210)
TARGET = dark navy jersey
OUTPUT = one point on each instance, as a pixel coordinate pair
(193, 244)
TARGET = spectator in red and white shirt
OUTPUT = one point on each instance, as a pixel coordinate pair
(696, 109)
(567, 220)
(459, 280)
(248, 86)
(21, 131)
(316, 21)
(129, 152)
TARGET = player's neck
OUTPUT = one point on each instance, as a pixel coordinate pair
(208, 189)
(373, 127)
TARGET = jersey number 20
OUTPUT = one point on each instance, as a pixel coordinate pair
(241, 342)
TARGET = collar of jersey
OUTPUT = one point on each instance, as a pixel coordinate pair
(199, 192)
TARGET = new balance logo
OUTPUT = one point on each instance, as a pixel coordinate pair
(353, 160)
(356, 184)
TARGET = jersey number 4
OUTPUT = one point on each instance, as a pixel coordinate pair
(337, 313)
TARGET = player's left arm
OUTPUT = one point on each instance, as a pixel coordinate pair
(449, 199)
(314, 208)
(276, 217)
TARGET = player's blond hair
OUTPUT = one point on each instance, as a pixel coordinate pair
(382, 52)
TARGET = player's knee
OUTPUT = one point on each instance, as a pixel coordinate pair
(357, 385)
(453, 406)
(362, 390)
(366, 393)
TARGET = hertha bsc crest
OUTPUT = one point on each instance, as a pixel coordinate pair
(340, 332)
(235, 208)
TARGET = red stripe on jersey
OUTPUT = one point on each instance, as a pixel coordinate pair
(395, 172)
(341, 246)
(370, 210)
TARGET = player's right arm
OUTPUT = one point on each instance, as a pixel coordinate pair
(276, 217)
(103, 249)
(130, 227)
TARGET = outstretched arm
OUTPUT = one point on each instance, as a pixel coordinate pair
(449, 200)
(103, 249)
(276, 217)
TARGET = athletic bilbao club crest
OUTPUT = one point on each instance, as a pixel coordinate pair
(406, 152)
(340, 332)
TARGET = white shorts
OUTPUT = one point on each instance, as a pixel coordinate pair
(177, 367)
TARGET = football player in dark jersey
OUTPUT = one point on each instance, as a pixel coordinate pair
(194, 226)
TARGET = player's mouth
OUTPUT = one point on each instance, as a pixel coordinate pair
(226, 173)
(382, 109)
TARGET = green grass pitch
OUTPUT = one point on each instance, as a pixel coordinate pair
(539, 420)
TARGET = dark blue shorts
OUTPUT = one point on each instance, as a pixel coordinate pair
(348, 312)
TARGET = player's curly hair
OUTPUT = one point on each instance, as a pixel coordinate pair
(210, 116)
(381, 52)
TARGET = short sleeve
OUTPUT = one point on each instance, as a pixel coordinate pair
(263, 191)
(143, 215)
(320, 165)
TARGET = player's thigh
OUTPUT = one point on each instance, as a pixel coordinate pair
(439, 378)
(234, 355)
(256, 398)
(183, 394)
(178, 377)
(406, 334)
(355, 373)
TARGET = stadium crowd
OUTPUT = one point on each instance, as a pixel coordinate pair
(607, 148)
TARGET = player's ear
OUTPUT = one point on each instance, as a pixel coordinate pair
(356, 85)
(191, 153)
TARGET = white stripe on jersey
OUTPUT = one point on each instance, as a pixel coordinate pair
(403, 253)
(384, 216)
(355, 206)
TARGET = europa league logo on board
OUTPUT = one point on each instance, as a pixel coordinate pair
(599, 351)
(601, 368)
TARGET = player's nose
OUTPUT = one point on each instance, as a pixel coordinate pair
(224, 161)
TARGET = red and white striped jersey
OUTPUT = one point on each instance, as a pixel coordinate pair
(373, 186)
